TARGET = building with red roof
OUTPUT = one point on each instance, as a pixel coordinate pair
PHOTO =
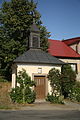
(60, 49)
(74, 43)
(67, 51)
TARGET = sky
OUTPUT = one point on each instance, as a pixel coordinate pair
(61, 17)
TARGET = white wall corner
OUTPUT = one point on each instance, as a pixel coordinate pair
(14, 69)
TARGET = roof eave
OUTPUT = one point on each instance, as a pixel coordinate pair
(39, 63)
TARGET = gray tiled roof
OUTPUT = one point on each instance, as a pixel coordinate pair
(37, 56)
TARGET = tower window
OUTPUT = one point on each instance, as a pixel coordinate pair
(35, 42)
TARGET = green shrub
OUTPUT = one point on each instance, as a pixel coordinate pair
(67, 80)
(54, 78)
(30, 96)
(55, 99)
(75, 92)
(16, 95)
(23, 93)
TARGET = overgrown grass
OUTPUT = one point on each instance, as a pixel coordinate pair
(5, 107)
(4, 95)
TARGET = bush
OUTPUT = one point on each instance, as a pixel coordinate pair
(67, 80)
(23, 92)
(30, 96)
(54, 78)
(61, 83)
(16, 95)
(75, 93)
(55, 99)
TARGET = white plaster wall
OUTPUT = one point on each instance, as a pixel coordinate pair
(13, 78)
(33, 70)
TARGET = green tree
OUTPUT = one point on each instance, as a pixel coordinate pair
(44, 38)
(16, 17)
(68, 79)
(23, 93)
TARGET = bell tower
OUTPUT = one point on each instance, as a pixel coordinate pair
(34, 39)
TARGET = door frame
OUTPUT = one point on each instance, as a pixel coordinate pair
(46, 81)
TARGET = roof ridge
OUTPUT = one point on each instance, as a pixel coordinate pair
(54, 40)
(37, 56)
(71, 39)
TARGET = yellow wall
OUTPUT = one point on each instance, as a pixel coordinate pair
(74, 61)
(79, 48)
(33, 70)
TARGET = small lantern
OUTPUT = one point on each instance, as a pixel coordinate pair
(39, 70)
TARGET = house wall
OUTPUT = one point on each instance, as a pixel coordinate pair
(74, 47)
(33, 70)
(79, 48)
(78, 65)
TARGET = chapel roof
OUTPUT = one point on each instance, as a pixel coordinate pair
(37, 56)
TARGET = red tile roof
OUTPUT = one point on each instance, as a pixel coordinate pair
(71, 41)
(60, 49)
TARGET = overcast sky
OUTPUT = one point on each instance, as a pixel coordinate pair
(61, 17)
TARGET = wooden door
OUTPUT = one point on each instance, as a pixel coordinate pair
(40, 87)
